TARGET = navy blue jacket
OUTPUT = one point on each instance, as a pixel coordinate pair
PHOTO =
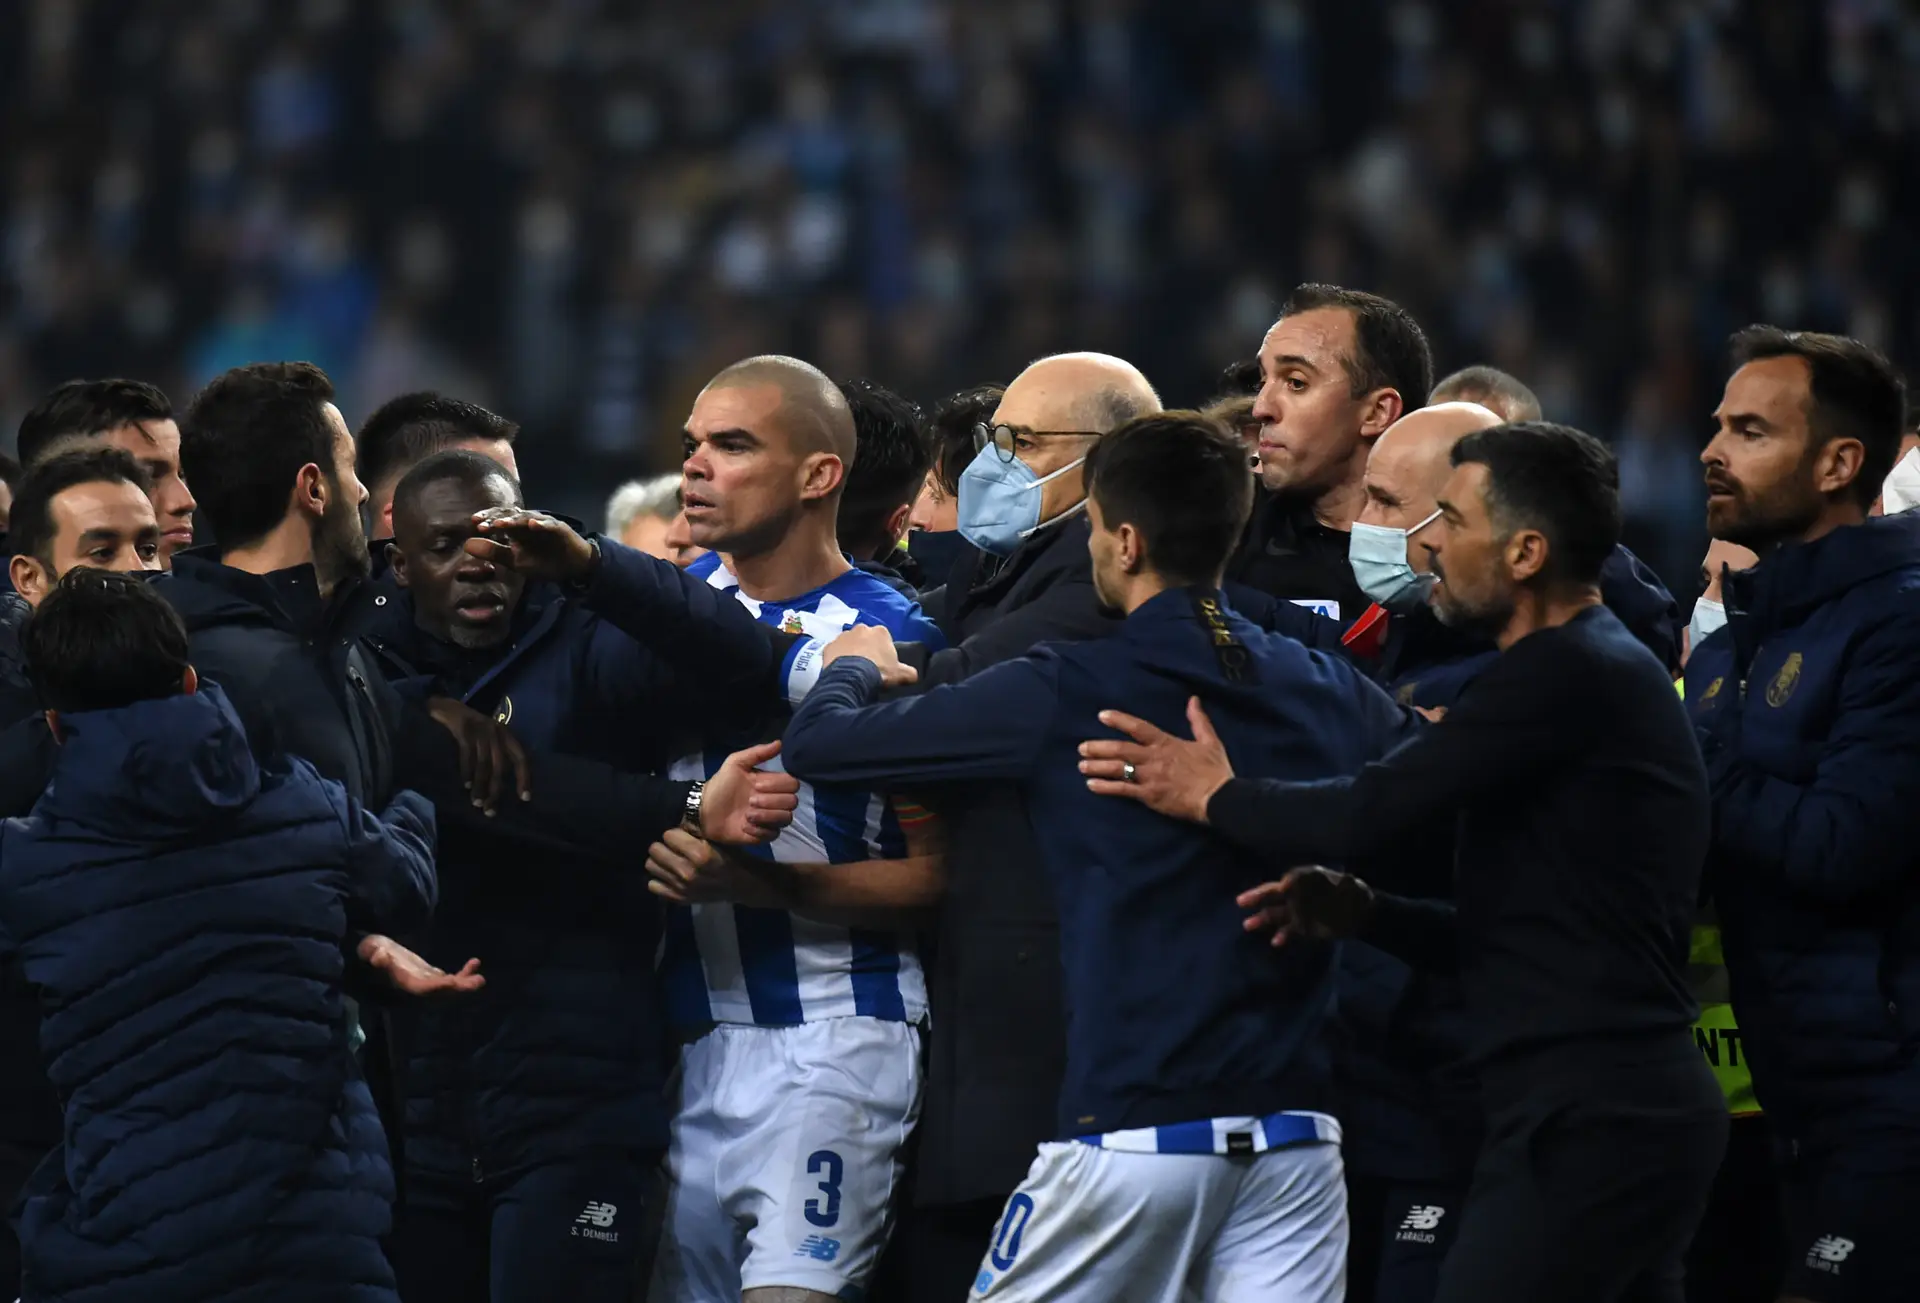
(182, 911)
(1808, 709)
(1219, 1023)
(563, 1049)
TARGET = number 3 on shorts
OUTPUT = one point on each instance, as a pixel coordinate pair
(825, 1211)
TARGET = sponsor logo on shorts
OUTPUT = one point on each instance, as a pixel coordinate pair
(1420, 1223)
(983, 1282)
(1828, 1252)
(819, 1248)
(595, 1222)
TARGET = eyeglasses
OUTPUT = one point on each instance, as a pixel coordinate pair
(1003, 437)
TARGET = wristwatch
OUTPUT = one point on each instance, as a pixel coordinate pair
(696, 792)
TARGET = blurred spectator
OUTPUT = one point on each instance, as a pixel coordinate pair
(1503, 395)
(640, 513)
(9, 481)
(596, 206)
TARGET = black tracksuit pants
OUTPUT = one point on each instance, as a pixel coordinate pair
(1592, 1178)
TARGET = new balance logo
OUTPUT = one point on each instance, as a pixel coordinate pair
(1828, 1252)
(597, 1219)
(819, 1248)
(1420, 1223)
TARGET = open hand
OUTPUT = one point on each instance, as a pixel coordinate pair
(871, 642)
(534, 543)
(1312, 903)
(744, 804)
(492, 761)
(1164, 773)
(415, 976)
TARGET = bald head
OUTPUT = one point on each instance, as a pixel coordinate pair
(1409, 465)
(811, 410)
(1089, 392)
(1491, 388)
(1057, 404)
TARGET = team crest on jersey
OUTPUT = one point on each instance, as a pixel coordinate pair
(790, 622)
(1784, 682)
(1405, 695)
(1713, 689)
(504, 715)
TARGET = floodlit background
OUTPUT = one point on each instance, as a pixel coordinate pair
(577, 210)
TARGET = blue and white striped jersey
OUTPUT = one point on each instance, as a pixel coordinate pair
(738, 964)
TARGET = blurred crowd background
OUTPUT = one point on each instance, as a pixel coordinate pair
(578, 210)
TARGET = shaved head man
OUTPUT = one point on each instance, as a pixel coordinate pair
(1027, 474)
(768, 447)
(1406, 469)
(804, 1035)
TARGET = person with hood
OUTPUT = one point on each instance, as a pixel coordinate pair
(182, 908)
(540, 1101)
(1807, 706)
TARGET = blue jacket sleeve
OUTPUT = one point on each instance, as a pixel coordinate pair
(390, 864)
(1846, 830)
(991, 726)
(1290, 619)
(703, 635)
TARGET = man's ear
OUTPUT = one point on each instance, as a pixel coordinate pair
(189, 682)
(397, 561)
(53, 726)
(29, 579)
(1526, 554)
(1132, 549)
(1838, 464)
(1380, 409)
(310, 490)
(897, 523)
(385, 522)
(822, 473)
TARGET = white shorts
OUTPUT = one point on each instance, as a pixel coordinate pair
(784, 1158)
(1094, 1224)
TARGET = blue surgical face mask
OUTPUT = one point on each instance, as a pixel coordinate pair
(1708, 618)
(1378, 555)
(1000, 500)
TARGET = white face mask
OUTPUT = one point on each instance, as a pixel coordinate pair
(1709, 617)
(1901, 489)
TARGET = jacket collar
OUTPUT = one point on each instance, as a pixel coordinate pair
(398, 637)
(1796, 578)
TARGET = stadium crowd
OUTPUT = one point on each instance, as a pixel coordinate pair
(1050, 846)
(574, 211)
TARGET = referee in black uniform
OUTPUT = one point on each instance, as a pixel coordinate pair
(1570, 789)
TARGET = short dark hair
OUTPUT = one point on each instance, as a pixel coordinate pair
(81, 408)
(953, 420)
(1855, 391)
(466, 468)
(101, 641)
(1238, 380)
(30, 530)
(1511, 399)
(1390, 349)
(245, 438)
(407, 430)
(893, 453)
(1181, 479)
(1557, 480)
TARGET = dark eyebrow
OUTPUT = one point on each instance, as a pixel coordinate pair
(1447, 508)
(1294, 360)
(102, 535)
(747, 436)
